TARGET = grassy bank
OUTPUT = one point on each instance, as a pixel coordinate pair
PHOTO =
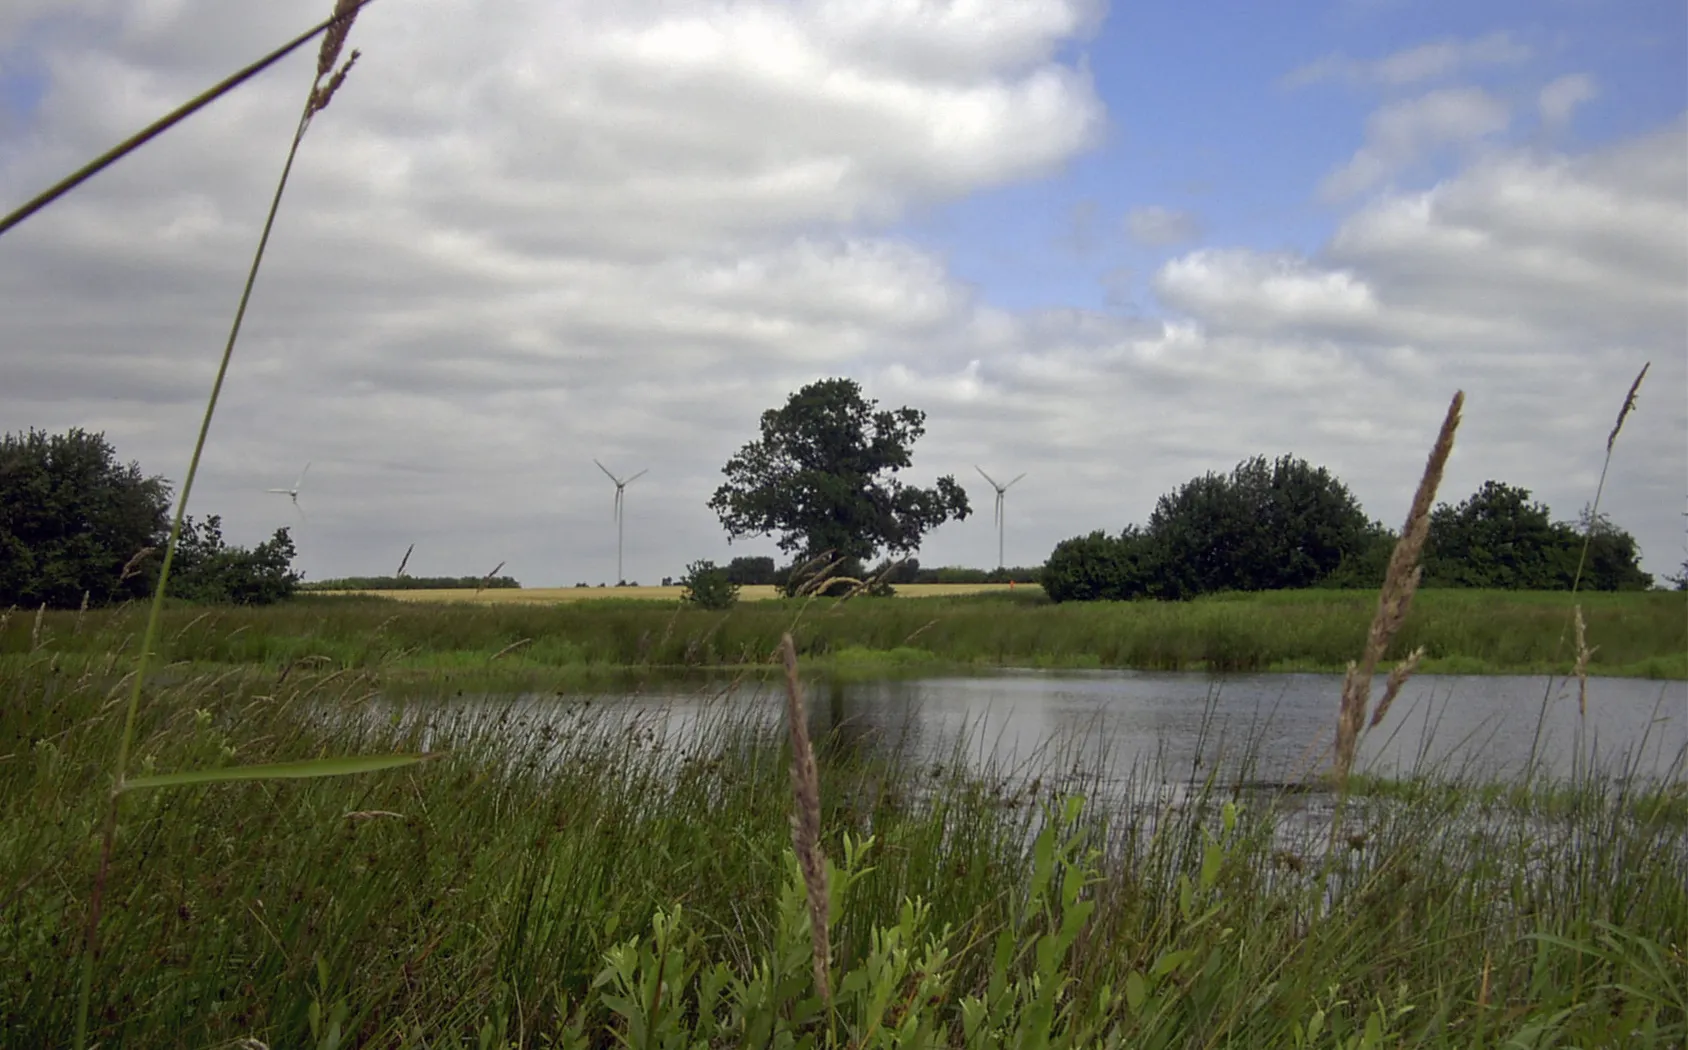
(522, 890)
(1637, 634)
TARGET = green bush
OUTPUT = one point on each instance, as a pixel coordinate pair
(209, 570)
(1099, 567)
(708, 586)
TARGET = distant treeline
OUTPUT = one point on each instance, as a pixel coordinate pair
(762, 572)
(412, 583)
(1283, 524)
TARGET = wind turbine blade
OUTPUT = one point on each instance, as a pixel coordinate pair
(301, 481)
(637, 476)
(607, 474)
(281, 492)
(1010, 485)
(987, 477)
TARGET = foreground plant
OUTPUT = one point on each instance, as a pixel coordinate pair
(1394, 601)
(323, 87)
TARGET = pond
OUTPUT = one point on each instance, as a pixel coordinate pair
(1124, 726)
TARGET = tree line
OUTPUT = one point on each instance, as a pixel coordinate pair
(1283, 523)
(413, 583)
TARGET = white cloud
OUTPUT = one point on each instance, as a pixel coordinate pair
(1560, 98)
(530, 234)
(1402, 132)
(1437, 60)
(1249, 291)
(1155, 226)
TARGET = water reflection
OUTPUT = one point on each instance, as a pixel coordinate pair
(1123, 727)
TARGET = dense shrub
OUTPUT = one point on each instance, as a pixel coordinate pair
(708, 586)
(1099, 567)
(208, 570)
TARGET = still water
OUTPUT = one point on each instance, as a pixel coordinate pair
(1123, 726)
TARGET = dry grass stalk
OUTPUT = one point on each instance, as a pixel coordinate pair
(345, 13)
(1628, 407)
(508, 649)
(488, 578)
(80, 613)
(806, 820)
(1600, 486)
(132, 567)
(340, 25)
(1397, 678)
(1399, 583)
(1581, 668)
(35, 632)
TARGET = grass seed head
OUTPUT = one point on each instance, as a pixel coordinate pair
(1394, 601)
(345, 13)
(1628, 406)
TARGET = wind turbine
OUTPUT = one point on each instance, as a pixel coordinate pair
(620, 501)
(293, 493)
(1001, 490)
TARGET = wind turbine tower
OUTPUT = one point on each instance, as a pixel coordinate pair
(1001, 490)
(620, 502)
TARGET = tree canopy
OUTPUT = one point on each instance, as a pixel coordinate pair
(78, 524)
(822, 477)
(75, 521)
(1499, 537)
(1267, 525)
(1282, 524)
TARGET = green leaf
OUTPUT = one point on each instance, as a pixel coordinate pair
(307, 770)
(1135, 992)
(1212, 858)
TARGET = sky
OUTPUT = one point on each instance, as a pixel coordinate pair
(1111, 247)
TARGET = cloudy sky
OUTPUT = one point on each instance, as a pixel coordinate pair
(1112, 247)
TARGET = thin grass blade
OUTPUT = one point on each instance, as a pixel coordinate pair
(307, 770)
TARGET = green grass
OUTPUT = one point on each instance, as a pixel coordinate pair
(1468, 632)
(470, 901)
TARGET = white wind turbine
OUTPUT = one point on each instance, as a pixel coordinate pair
(293, 493)
(1001, 490)
(620, 502)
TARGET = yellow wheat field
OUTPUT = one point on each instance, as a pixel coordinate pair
(556, 595)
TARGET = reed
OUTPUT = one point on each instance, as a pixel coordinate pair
(806, 820)
(1393, 603)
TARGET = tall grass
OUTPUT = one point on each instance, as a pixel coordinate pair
(1459, 631)
(482, 902)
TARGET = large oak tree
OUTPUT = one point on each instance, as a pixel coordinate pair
(822, 477)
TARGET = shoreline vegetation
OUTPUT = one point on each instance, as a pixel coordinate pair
(530, 889)
(1461, 632)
